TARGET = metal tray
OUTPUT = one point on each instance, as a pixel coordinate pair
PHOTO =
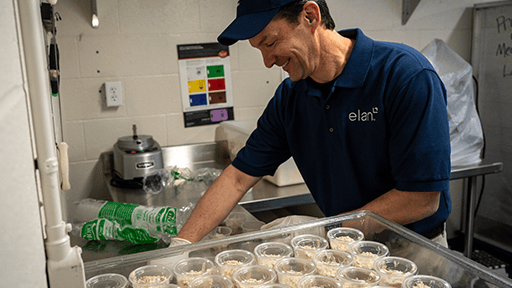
(431, 258)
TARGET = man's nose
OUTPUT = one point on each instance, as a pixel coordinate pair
(268, 59)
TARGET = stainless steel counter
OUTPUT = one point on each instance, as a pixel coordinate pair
(265, 195)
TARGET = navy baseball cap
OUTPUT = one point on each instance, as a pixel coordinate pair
(252, 16)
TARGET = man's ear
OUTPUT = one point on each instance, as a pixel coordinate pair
(312, 13)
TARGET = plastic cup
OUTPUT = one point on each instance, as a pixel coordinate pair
(189, 269)
(271, 252)
(428, 281)
(290, 270)
(209, 281)
(251, 226)
(355, 277)
(305, 246)
(329, 261)
(150, 274)
(254, 276)
(341, 238)
(235, 221)
(112, 280)
(220, 232)
(231, 260)
(315, 281)
(366, 252)
(275, 286)
(394, 270)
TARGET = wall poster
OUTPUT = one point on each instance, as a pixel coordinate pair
(205, 78)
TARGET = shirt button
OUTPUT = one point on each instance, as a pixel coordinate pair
(327, 106)
(331, 129)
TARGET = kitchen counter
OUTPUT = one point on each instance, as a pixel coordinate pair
(264, 195)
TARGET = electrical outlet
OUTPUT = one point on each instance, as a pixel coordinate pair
(114, 93)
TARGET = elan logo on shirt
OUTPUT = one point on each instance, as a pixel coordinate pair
(360, 116)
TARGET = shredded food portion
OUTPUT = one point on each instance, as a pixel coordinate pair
(368, 254)
(420, 285)
(253, 281)
(229, 267)
(270, 255)
(341, 243)
(185, 279)
(293, 272)
(344, 238)
(151, 279)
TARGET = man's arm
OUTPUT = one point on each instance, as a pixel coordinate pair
(216, 203)
(404, 207)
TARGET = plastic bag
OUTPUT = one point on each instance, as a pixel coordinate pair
(179, 179)
(466, 136)
(294, 219)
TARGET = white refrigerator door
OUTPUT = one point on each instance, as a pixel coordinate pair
(21, 240)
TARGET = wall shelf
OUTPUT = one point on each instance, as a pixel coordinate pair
(408, 7)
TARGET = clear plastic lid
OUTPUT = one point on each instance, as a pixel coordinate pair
(150, 274)
(254, 276)
(305, 246)
(340, 238)
(425, 281)
(110, 280)
(187, 270)
(328, 261)
(208, 281)
(271, 252)
(366, 252)
(394, 270)
(358, 277)
(291, 270)
(315, 281)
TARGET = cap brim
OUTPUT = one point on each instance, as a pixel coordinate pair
(246, 27)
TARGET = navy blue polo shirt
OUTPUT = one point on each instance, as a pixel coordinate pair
(382, 124)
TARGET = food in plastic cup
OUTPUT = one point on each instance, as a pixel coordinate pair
(354, 277)
(235, 221)
(305, 246)
(276, 285)
(254, 276)
(209, 281)
(231, 260)
(271, 252)
(290, 270)
(150, 274)
(251, 226)
(328, 261)
(340, 238)
(162, 286)
(425, 281)
(315, 281)
(187, 270)
(366, 252)
(394, 270)
(107, 280)
(220, 232)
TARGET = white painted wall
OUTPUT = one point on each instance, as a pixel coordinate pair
(136, 44)
(22, 255)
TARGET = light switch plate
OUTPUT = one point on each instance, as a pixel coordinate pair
(113, 94)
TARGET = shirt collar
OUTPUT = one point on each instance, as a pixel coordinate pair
(355, 70)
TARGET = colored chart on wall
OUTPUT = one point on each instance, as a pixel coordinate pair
(205, 79)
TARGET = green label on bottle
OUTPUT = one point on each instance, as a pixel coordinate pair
(119, 212)
(136, 236)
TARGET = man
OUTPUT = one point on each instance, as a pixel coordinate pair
(365, 121)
